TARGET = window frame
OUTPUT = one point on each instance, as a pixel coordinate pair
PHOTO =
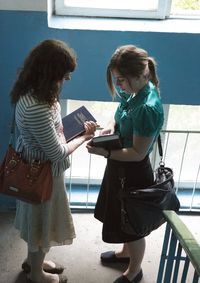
(162, 12)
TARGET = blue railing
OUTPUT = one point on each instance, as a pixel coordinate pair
(181, 153)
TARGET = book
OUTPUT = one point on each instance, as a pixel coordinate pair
(112, 141)
(73, 123)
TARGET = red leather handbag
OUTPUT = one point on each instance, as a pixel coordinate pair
(28, 182)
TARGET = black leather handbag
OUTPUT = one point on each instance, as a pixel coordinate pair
(141, 208)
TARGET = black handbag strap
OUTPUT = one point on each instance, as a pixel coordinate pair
(12, 128)
(160, 150)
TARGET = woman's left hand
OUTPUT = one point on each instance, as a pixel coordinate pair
(96, 150)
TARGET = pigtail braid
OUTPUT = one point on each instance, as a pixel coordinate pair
(153, 74)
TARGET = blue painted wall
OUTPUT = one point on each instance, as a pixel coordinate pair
(177, 56)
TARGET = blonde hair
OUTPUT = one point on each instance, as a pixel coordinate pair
(130, 60)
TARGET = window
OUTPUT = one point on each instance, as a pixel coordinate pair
(181, 148)
(111, 8)
(149, 9)
(186, 8)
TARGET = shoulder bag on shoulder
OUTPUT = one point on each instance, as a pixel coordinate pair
(30, 182)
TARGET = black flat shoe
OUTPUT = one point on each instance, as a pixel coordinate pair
(58, 269)
(124, 279)
(110, 257)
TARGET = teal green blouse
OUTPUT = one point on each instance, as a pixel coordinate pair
(141, 115)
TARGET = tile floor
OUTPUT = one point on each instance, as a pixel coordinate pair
(82, 257)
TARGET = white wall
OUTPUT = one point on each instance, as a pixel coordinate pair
(26, 5)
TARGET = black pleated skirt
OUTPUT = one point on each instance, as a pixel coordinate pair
(108, 206)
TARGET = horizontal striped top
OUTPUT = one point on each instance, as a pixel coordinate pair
(41, 133)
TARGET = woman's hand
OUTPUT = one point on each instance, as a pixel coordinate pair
(90, 128)
(110, 129)
(96, 150)
(106, 131)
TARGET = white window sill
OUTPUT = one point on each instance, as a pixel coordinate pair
(174, 25)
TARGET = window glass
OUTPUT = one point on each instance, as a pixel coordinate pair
(112, 8)
(185, 7)
(176, 119)
(113, 4)
(152, 9)
(181, 148)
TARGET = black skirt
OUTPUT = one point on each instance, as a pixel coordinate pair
(108, 206)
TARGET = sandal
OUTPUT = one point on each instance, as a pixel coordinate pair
(62, 279)
(58, 269)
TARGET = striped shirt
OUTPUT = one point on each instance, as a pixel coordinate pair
(41, 133)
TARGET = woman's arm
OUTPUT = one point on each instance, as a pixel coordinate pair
(41, 125)
(90, 128)
(138, 152)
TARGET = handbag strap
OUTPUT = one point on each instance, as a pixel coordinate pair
(160, 150)
(12, 128)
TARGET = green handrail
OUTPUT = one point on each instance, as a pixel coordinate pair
(185, 237)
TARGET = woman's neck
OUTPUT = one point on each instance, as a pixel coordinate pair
(140, 86)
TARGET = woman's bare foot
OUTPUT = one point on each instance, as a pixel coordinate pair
(48, 266)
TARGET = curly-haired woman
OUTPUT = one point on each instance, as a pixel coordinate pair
(35, 95)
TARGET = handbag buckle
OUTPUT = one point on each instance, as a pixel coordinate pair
(12, 163)
(122, 180)
(162, 163)
(34, 171)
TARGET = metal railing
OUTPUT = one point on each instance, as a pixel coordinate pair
(180, 257)
(181, 152)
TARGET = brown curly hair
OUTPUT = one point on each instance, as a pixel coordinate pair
(43, 69)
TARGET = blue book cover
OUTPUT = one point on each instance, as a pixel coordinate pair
(73, 123)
